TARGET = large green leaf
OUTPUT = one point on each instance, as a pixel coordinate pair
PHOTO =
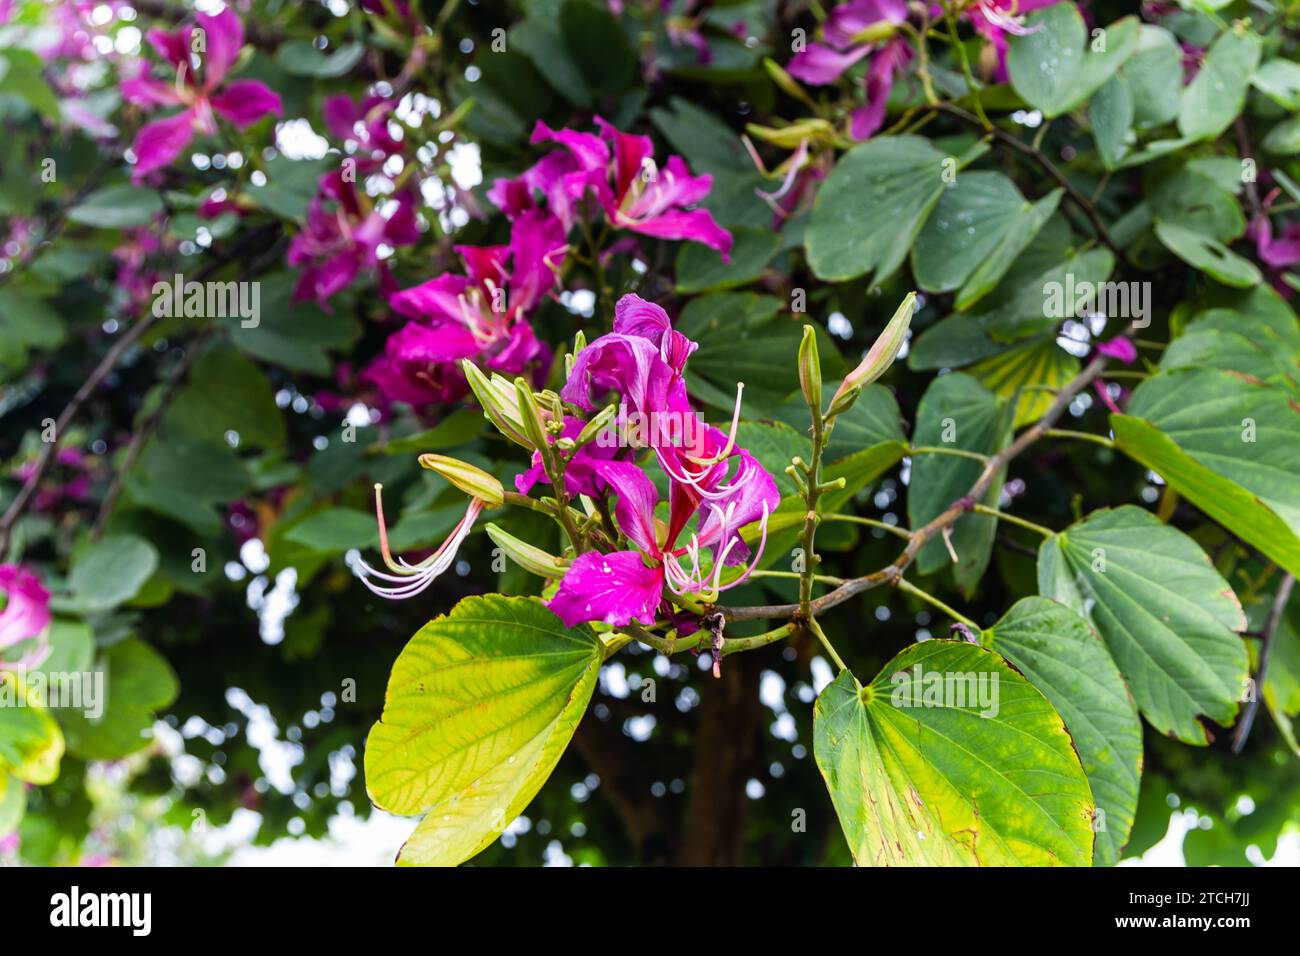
(973, 214)
(117, 207)
(30, 742)
(1050, 67)
(479, 707)
(1166, 614)
(957, 412)
(296, 335)
(926, 778)
(226, 392)
(138, 683)
(1218, 92)
(873, 204)
(1061, 655)
(1208, 254)
(111, 571)
(1024, 373)
(597, 44)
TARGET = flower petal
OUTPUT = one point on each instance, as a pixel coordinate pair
(224, 39)
(160, 142)
(616, 588)
(244, 102)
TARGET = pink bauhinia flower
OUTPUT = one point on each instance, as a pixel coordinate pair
(482, 315)
(995, 20)
(346, 232)
(1278, 252)
(852, 31)
(241, 102)
(26, 615)
(618, 171)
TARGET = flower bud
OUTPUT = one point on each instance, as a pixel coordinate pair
(784, 81)
(791, 136)
(810, 371)
(877, 32)
(499, 402)
(532, 559)
(593, 429)
(879, 357)
(475, 482)
(531, 415)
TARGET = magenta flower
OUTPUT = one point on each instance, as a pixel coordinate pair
(346, 233)
(242, 102)
(482, 315)
(26, 615)
(617, 170)
(643, 360)
(363, 126)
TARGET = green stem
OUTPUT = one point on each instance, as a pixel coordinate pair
(735, 645)
(986, 510)
(1081, 436)
(910, 588)
(819, 578)
(951, 15)
(940, 450)
(826, 643)
(870, 523)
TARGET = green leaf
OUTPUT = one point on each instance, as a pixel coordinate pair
(1050, 67)
(539, 39)
(1279, 80)
(1111, 112)
(1284, 138)
(872, 206)
(958, 412)
(598, 45)
(31, 745)
(1061, 655)
(1024, 229)
(923, 778)
(1218, 92)
(1038, 362)
(117, 207)
(480, 705)
(301, 58)
(226, 392)
(20, 76)
(458, 428)
(974, 213)
(186, 479)
(335, 530)
(139, 682)
(289, 189)
(111, 571)
(1154, 77)
(295, 335)
(1165, 613)
(1208, 254)
(766, 364)
(701, 269)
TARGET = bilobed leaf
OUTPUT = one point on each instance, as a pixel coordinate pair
(925, 779)
(1061, 655)
(974, 212)
(1154, 77)
(111, 571)
(1165, 613)
(957, 412)
(138, 682)
(480, 705)
(1208, 254)
(873, 204)
(1218, 92)
(1024, 229)
(1054, 66)
(31, 744)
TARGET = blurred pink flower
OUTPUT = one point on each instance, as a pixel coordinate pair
(26, 615)
(241, 102)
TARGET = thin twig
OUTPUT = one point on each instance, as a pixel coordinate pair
(1266, 644)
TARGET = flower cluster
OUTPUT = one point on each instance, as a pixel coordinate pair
(630, 571)
(617, 171)
(201, 91)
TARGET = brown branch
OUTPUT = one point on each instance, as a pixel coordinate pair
(1266, 644)
(1079, 199)
(891, 573)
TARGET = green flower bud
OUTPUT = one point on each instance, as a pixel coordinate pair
(879, 357)
(500, 404)
(532, 559)
(810, 371)
(475, 482)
